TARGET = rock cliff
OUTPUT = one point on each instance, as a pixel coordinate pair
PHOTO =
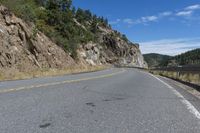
(112, 49)
(24, 49)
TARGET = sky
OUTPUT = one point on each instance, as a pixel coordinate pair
(167, 27)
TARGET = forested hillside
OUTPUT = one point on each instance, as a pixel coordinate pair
(188, 58)
(156, 60)
(59, 20)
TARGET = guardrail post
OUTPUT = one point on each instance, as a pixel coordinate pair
(178, 74)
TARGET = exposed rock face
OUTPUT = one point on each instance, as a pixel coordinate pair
(112, 50)
(23, 51)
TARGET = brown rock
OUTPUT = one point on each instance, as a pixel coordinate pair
(19, 51)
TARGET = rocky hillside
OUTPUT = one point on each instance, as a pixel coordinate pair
(21, 50)
(25, 48)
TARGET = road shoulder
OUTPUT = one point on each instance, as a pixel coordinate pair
(189, 93)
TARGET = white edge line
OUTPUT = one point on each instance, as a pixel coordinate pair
(189, 106)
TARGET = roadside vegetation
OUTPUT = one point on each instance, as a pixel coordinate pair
(49, 72)
(59, 20)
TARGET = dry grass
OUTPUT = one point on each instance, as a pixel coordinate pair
(184, 76)
(48, 72)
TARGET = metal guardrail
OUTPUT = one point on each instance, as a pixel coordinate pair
(189, 75)
(124, 66)
(187, 68)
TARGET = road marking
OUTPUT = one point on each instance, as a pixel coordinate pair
(189, 106)
(186, 88)
(169, 86)
(59, 83)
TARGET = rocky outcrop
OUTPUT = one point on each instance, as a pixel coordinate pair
(22, 49)
(112, 49)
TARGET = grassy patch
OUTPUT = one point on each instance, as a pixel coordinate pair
(190, 77)
(49, 72)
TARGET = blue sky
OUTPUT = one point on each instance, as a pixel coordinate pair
(160, 26)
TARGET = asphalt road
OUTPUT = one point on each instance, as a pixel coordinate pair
(111, 101)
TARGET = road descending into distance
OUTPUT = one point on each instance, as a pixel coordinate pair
(116, 100)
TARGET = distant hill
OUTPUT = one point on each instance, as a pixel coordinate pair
(156, 60)
(188, 58)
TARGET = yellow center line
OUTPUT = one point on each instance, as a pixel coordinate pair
(59, 83)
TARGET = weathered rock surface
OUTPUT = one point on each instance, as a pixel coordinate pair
(112, 50)
(23, 51)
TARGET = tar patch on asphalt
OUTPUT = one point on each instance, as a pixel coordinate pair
(91, 104)
(119, 98)
(45, 125)
(114, 99)
(107, 100)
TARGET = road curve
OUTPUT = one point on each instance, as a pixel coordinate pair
(116, 100)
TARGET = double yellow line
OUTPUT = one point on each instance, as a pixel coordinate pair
(59, 83)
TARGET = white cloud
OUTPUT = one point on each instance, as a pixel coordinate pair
(164, 14)
(115, 21)
(184, 13)
(193, 7)
(170, 46)
(188, 11)
(128, 21)
(142, 20)
(149, 18)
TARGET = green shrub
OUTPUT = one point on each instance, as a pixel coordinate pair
(55, 18)
(42, 26)
(24, 9)
(35, 31)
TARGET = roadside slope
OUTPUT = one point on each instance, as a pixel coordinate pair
(24, 49)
